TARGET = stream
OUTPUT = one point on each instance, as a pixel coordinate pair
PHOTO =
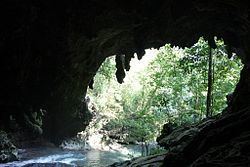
(56, 157)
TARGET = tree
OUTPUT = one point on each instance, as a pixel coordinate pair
(209, 84)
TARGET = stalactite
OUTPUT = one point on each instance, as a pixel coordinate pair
(140, 53)
(120, 73)
(128, 58)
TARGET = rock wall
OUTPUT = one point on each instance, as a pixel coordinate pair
(8, 150)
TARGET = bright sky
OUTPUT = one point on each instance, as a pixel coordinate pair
(138, 66)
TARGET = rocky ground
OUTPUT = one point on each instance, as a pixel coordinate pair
(7, 148)
(148, 161)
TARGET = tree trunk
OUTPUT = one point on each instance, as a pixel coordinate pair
(209, 84)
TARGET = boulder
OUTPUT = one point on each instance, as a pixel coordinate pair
(148, 161)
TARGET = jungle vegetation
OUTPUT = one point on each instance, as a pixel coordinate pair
(171, 88)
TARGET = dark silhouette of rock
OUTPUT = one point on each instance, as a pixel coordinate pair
(8, 150)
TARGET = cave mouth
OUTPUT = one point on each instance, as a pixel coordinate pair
(159, 90)
(169, 85)
(50, 51)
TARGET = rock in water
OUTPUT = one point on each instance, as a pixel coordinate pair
(57, 164)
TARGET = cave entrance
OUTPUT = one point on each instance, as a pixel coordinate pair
(169, 85)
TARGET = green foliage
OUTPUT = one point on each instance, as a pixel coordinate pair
(172, 88)
(180, 77)
(105, 74)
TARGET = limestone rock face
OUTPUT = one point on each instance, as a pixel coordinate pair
(178, 139)
(175, 139)
(8, 152)
(234, 153)
(223, 142)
